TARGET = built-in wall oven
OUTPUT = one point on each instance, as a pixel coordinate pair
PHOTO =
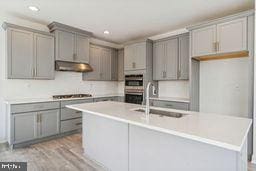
(134, 89)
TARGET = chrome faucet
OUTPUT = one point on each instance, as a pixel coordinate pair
(147, 99)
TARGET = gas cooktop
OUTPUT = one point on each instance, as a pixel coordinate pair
(70, 96)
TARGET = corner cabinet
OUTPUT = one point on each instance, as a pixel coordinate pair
(30, 53)
(171, 58)
(71, 47)
(104, 63)
(215, 39)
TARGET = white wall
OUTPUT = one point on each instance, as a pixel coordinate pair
(173, 89)
(64, 83)
(224, 86)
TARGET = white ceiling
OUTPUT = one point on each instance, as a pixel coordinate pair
(125, 19)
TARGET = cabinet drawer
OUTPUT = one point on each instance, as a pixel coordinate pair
(69, 114)
(105, 99)
(170, 104)
(70, 125)
(71, 102)
(21, 108)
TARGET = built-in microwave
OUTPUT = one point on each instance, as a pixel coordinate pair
(134, 89)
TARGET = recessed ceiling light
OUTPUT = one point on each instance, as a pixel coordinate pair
(106, 32)
(33, 8)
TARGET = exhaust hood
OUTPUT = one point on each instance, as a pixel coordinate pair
(72, 66)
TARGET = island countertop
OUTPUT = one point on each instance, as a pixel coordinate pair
(218, 130)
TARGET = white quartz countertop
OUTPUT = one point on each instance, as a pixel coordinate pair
(174, 99)
(50, 99)
(218, 130)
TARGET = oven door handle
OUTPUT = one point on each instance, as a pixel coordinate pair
(134, 93)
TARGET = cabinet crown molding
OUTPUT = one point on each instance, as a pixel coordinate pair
(6, 26)
(59, 26)
(221, 20)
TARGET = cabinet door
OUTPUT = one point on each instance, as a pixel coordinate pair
(184, 57)
(105, 65)
(129, 58)
(203, 41)
(49, 123)
(20, 54)
(44, 56)
(95, 53)
(231, 36)
(82, 49)
(120, 65)
(139, 56)
(25, 127)
(159, 60)
(114, 65)
(65, 43)
(171, 59)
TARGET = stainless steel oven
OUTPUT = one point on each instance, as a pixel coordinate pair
(134, 89)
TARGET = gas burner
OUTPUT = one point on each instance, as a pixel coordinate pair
(71, 96)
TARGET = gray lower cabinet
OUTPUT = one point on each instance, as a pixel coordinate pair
(100, 99)
(30, 53)
(170, 104)
(104, 63)
(171, 58)
(24, 127)
(71, 120)
(49, 123)
(32, 125)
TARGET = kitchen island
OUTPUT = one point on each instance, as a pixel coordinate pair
(118, 136)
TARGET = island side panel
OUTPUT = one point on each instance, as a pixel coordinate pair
(106, 141)
(152, 150)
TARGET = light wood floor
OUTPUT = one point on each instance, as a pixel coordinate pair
(63, 154)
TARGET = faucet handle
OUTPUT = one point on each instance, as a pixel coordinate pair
(154, 90)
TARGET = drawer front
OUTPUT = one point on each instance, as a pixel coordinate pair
(71, 102)
(105, 99)
(172, 105)
(69, 114)
(21, 108)
(70, 125)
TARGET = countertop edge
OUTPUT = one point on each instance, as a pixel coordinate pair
(175, 133)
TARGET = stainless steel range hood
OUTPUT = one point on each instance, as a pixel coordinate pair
(71, 66)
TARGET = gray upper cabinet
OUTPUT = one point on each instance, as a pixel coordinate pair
(135, 56)
(171, 61)
(171, 58)
(72, 44)
(49, 123)
(20, 53)
(65, 46)
(104, 63)
(30, 53)
(215, 39)
(71, 47)
(203, 41)
(237, 29)
(183, 72)
(121, 65)
(44, 56)
(82, 49)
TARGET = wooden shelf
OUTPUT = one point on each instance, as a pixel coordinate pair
(240, 54)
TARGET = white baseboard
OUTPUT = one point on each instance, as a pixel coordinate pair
(253, 159)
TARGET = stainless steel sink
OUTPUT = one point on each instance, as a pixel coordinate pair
(162, 113)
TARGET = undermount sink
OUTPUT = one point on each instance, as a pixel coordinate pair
(162, 113)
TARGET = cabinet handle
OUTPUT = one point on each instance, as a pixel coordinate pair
(179, 73)
(74, 56)
(169, 105)
(78, 112)
(218, 46)
(133, 65)
(80, 123)
(40, 118)
(37, 118)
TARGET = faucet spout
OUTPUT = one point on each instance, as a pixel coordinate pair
(147, 99)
